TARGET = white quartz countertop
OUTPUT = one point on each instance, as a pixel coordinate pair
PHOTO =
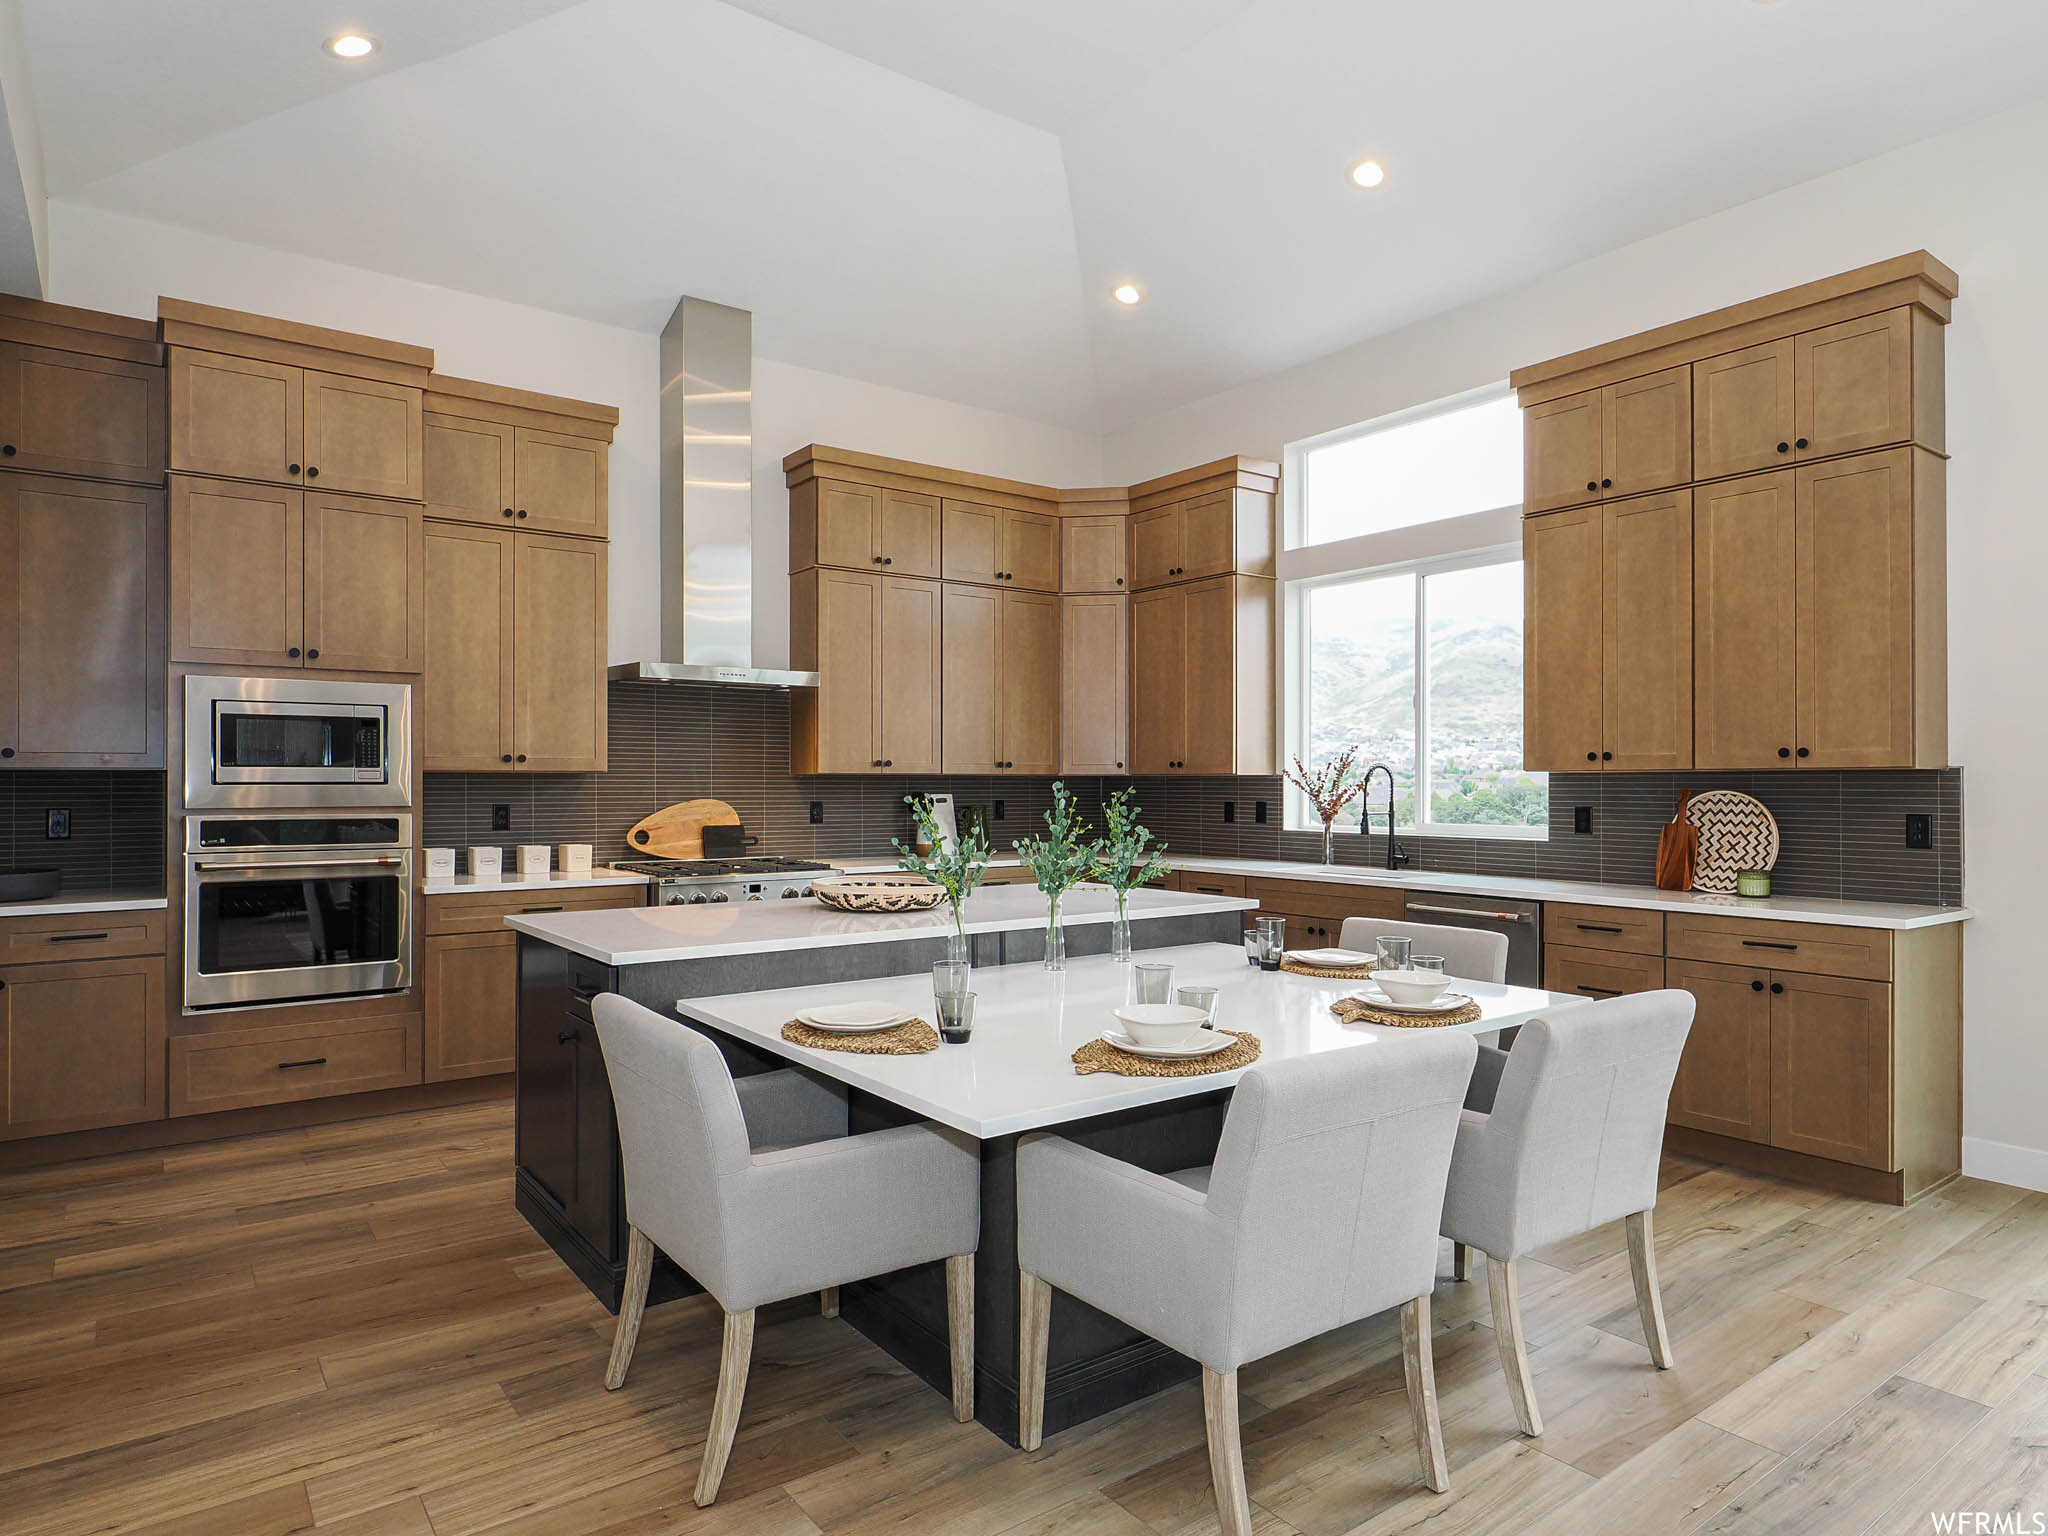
(120, 899)
(1791, 909)
(554, 880)
(642, 935)
(1017, 1073)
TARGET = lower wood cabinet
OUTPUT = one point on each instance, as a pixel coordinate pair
(1831, 1067)
(1315, 910)
(279, 1063)
(81, 1044)
(1000, 681)
(1724, 1078)
(1600, 972)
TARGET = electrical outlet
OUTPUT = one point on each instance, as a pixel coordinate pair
(1230, 810)
(501, 818)
(817, 813)
(1259, 812)
(1919, 831)
(996, 812)
(1582, 820)
(57, 825)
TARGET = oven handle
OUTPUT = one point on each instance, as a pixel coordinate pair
(1495, 917)
(270, 864)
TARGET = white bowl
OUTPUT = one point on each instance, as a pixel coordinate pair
(1411, 987)
(1161, 1023)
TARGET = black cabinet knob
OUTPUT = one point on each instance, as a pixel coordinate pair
(1592, 757)
(6, 751)
(312, 472)
(1592, 485)
(1606, 485)
(1784, 751)
(1784, 447)
(888, 762)
(508, 511)
(1799, 442)
(1119, 765)
(1606, 757)
(1777, 986)
(506, 758)
(8, 449)
(1119, 581)
(291, 469)
(568, 1037)
(522, 511)
(1803, 752)
(1756, 986)
(876, 763)
(520, 758)
(312, 651)
(876, 558)
(888, 559)
(292, 651)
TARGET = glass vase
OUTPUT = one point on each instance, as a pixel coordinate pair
(1055, 935)
(1329, 842)
(956, 941)
(1120, 932)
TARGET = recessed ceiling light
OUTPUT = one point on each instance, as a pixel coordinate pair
(1368, 174)
(1126, 293)
(351, 45)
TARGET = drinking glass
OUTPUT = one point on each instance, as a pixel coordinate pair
(1272, 942)
(1434, 964)
(1251, 946)
(1393, 952)
(1203, 998)
(1151, 982)
(956, 1017)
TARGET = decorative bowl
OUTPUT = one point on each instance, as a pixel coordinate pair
(1411, 987)
(878, 893)
(1161, 1023)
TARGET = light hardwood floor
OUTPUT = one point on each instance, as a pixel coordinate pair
(347, 1329)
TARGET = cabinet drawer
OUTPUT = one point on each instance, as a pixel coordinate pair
(1600, 973)
(1208, 884)
(1333, 899)
(233, 1069)
(80, 936)
(1815, 947)
(486, 911)
(1619, 928)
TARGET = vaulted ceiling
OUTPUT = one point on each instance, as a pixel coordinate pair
(939, 194)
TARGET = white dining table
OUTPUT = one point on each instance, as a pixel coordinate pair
(1017, 1074)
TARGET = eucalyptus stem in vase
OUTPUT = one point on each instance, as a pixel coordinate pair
(1329, 789)
(1061, 860)
(1124, 861)
(955, 865)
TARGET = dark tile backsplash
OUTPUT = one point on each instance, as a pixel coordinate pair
(1842, 834)
(117, 825)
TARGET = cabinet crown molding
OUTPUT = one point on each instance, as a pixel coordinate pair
(182, 322)
(59, 326)
(473, 398)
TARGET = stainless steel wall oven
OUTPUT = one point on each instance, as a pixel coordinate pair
(296, 742)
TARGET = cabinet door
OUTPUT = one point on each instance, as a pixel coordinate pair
(1031, 550)
(70, 414)
(1562, 622)
(558, 649)
(1724, 1077)
(1854, 621)
(1209, 681)
(1831, 1068)
(236, 416)
(363, 436)
(1561, 452)
(1029, 673)
(971, 543)
(466, 695)
(1599, 972)
(848, 659)
(1158, 680)
(562, 483)
(971, 719)
(81, 624)
(1854, 385)
(909, 541)
(1646, 634)
(849, 526)
(910, 675)
(1742, 411)
(1209, 535)
(1095, 672)
(1743, 642)
(83, 1045)
(1646, 433)
(471, 981)
(237, 573)
(1094, 554)
(468, 469)
(365, 568)
(1156, 546)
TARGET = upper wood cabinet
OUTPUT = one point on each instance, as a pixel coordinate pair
(874, 641)
(1744, 594)
(469, 468)
(465, 718)
(1094, 554)
(559, 708)
(540, 463)
(1562, 617)
(1095, 684)
(1202, 677)
(1000, 681)
(561, 483)
(249, 418)
(1561, 447)
(1742, 410)
(1206, 522)
(1621, 440)
(70, 413)
(855, 527)
(1002, 546)
(82, 583)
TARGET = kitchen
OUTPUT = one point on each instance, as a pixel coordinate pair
(360, 589)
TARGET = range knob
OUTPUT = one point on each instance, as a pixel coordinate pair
(698, 898)
(671, 898)
(718, 896)
(789, 891)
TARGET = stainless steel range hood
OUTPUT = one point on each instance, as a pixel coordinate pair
(707, 505)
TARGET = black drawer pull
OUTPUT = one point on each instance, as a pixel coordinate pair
(76, 938)
(1596, 928)
(1768, 944)
(310, 1061)
(569, 1037)
(1599, 991)
(582, 996)
(524, 910)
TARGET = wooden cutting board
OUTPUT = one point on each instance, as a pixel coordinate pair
(677, 831)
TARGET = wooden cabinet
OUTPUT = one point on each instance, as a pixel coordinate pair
(1868, 383)
(82, 583)
(1621, 440)
(1818, 947)
(1316, 910)
(561, 483)
(81, 1045)
(277, 1064)
(1831, 1067)
(70, 413)
(1095, 687)
(469, 467)
(908, 674)
(537, 463)
(875, 643)
(1600, 972)
(363, 436)
(1608, 636)
(1202, 677)
(1626, 930)
(1744, 708)
(1561, 446)
(283, 578)
(1094, 554)
(1724, 1078)
(248, 418)
(558, 654)
(1000, 546)
(1159, 714)
(1000, 681)
(855, 526)
(1200, 536)
(1742, 410)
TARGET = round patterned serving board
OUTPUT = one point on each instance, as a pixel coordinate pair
(1737, 832)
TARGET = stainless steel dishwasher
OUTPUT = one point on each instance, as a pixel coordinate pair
(1521, 921)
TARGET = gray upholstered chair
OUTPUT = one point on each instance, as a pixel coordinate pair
(1570, 1139)
(756, 1190)
(1473, 953)
(1321, 1208)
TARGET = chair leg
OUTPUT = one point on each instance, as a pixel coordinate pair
(828, 1301)
(1642, 1262)
(1461, 1261)
(1418, 1364)
(1226, 1451)
(632, 1307)
(960, 1331)
(733, 1359)
(1505, 1293)
(1034, 1324)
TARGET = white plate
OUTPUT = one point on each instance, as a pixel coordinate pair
(1334, 959)
(1448, 1002)
(853, 1018)
(1124, 1042)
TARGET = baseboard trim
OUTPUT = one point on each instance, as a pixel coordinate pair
(2003, 1163)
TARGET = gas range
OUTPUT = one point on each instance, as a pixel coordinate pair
(698, 882)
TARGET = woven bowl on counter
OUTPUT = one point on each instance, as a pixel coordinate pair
(878, 893)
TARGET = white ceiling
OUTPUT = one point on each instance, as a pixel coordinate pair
(938, 194)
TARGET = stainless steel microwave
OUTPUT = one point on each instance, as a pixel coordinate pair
(259, 742)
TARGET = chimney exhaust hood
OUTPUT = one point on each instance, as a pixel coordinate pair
(707, 505)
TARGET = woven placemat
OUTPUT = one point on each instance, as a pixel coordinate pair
(1300, 968)
(1101, 1056)
(911, 1039)
(1356, 1010)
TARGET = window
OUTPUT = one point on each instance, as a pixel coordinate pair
(1404, 612)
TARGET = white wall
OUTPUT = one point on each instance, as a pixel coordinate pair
(111, 262)
(24, 198)
(1972, 198)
